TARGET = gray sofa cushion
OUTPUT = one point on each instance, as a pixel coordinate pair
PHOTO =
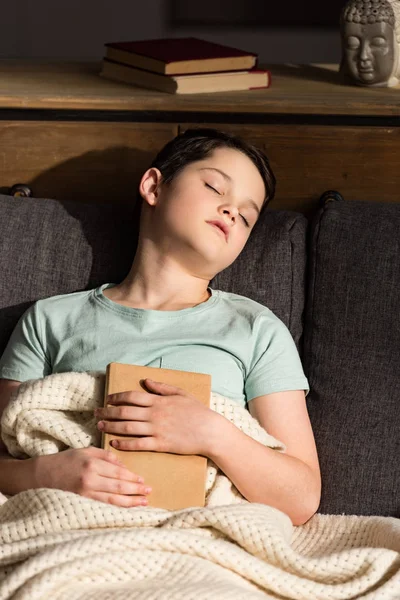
(50, 247)
(271, 268)
(351, 355)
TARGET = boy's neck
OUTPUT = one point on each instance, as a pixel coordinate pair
(116, 294)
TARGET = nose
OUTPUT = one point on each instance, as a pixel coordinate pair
(365, 53)
(231, 211)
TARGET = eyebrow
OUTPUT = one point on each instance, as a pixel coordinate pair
(229, 178)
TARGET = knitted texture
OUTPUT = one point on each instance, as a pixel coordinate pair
(54, 413)
(60, 545)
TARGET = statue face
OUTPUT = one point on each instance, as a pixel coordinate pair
(369, 51)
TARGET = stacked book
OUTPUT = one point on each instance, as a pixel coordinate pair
(183, 66)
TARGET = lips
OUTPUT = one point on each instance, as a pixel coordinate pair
(221, 227)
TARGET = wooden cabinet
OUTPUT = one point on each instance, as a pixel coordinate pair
(84, 161)
(69, 134)
(358, 161)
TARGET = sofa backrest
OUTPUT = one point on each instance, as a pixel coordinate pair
(352, 330)
(351, 355)
(50, 247)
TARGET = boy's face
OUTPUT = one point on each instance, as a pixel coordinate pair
(224, 187)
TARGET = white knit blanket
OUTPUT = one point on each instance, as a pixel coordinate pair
(59, 545)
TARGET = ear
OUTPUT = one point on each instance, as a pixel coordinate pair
(150, 184)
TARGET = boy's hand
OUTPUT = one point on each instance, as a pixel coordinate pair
(169, 419)
(91, 472)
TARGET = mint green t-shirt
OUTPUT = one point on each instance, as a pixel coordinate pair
(244, 346)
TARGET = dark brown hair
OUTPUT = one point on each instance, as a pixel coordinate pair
(197, 144)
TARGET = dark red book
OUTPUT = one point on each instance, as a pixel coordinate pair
(174, 56)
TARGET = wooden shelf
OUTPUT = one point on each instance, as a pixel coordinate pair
(68, 133)
(295, 89)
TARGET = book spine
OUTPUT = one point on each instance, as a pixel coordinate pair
(138, 77)
(135, 60)
(267, 83)
(106, 387)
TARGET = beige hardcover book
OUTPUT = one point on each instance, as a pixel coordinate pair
(177, 480)
(186, 84)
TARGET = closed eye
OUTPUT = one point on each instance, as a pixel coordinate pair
(210, 186)
(217, 192)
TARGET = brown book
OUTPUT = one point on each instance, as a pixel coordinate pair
(186, 84)
(177, 480)
(174, 56)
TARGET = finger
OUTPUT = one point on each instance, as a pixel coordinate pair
(109, 456)
(137, 398)
(122, 487)
(147, 444)
(106, 455)
(164, 388)
(125, 413)
(120, 500)
(126, 427)
(118, 471)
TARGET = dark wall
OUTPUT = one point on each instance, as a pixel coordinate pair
(77, 30)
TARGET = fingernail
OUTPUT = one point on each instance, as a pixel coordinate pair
(100, 424)
(140, 480)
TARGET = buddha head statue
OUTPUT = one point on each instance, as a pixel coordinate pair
(370, 33)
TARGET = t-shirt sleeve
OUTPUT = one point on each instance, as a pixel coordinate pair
(25, 355)
(275, 365)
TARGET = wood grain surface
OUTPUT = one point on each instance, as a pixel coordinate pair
(295, 89)
(89, 162)
(314, 129)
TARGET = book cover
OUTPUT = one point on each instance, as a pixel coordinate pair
(177, 480)
(173, 56)
(186, 84)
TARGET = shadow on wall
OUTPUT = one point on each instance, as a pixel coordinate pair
(74, 237)
(111, 175)
(310, 73)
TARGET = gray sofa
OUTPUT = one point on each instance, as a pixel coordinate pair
(333, 280)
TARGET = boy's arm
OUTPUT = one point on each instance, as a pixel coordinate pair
(7, 386)
(15, 475)
(289, 481)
